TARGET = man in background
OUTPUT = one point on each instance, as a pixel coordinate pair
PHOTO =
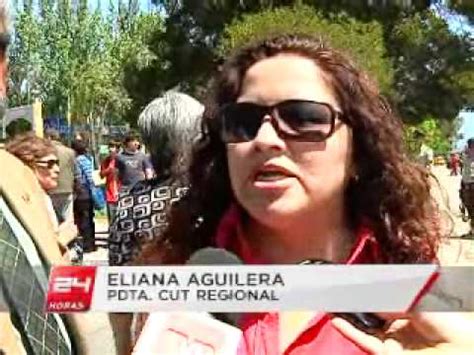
(132, 164)
(62, 196)
(426, 155)
(467, 183)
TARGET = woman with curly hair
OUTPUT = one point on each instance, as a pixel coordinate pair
(301, 158)
(41, 156)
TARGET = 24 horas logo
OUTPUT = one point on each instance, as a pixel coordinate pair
(70, 289)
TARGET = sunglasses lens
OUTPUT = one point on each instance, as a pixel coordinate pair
(302, 118)
(48, 163)
(296, 119)
(241, 122)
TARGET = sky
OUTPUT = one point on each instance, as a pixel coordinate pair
(460, 24)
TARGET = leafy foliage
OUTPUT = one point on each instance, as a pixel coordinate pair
(340, 30)
(74, 58)
(430, 132)
(433, 68)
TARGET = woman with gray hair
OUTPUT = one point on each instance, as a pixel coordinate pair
(168, 126)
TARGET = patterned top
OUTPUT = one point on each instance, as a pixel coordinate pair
(141, 217)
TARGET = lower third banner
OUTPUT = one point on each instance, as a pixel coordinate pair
(259, 288)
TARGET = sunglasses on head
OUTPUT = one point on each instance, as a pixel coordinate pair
(299, 120)
(47, 163)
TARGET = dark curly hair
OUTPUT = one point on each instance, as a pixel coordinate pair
(392, 193)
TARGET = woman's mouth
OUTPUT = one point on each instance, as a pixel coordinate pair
(272, 177)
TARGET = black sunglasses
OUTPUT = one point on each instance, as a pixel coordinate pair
(300, 120)
(47, 163)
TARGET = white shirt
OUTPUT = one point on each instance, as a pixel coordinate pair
(427, 152)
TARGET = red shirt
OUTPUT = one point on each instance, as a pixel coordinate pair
(107, 171)
(261, 331)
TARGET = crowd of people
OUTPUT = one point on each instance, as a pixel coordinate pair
(66, 175)
(305, 165)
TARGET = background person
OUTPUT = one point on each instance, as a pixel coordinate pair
(309, 164)
(62, 196)
(109, 172)
(23, 196)
(168, 125)
(426, 155)
(83, 203)
(132, 165)
(454, 164)
(41, 156)
(467, 183)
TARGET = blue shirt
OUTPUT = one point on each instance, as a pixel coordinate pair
(85, 168)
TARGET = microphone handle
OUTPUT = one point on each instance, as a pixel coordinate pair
(367, 322)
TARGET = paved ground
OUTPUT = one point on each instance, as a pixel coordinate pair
(455, 250)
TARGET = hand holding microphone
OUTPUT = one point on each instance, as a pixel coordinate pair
(183, 333)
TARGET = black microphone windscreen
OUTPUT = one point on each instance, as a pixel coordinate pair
(217, 256)
(213, 256)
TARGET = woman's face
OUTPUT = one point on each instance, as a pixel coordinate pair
(47, 171)
(279, 181)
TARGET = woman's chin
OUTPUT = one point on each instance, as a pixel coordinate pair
(276, 214)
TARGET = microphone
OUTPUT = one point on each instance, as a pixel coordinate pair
(193, 332)
(367, 322)
(217, 256)
(187, 333)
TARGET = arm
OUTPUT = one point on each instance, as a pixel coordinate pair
(118, 168)
(466, 168)
(107, 168)
(90, 180)
(77, 176)
(148, 169)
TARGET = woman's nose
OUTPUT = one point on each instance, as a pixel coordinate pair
(267, 136)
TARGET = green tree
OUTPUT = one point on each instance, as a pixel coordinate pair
(430, 132)
(434, 68)
(140, 61)
(73, 57)
(194, 28)
(340, 30)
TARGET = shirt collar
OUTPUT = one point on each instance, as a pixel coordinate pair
(229, 236)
